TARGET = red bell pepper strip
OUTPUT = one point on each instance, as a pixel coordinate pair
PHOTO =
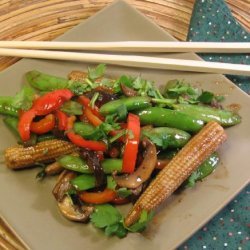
(132, 143)
(85, 101)
(24, 123)
(70, 122)
(62, 120)
(120, 201)
(51, 101)
(44, 125)
(98, 197)
(81, 142)
(93, 119)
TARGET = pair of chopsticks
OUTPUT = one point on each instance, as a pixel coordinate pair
(56, 51)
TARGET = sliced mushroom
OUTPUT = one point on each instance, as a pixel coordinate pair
(143, 172)
(162, 163)
(128, 91)
(53, 168)
(73, 212)
(63, 184)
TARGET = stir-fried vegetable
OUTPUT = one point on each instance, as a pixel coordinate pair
(114, 141)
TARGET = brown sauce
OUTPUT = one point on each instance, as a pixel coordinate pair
(234, 107)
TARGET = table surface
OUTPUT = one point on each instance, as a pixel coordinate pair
(46, 20)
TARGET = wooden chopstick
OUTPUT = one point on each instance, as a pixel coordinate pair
(133, 61)
(134, 46)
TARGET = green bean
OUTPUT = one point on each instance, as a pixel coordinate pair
(111, 165)
(45, 137)
(45, 82)
(205, 169)
(206, 114)
(131, 103)
(83, 129)
(167, 137)
(83, 182)
(86, 181)
(77, 164)
(161, 117)
(6, 107)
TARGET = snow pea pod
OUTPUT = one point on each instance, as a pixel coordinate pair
(206, 114)
(84, 129)
(167, 137)
(77, 164)
(83, 182)
(45, 82)
(205, 169)
(131, 103)
(161, 117)
(45, 137)
(6, 107)
(86, 181)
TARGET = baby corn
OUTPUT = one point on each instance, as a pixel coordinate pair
(182, 165)
(18, 157)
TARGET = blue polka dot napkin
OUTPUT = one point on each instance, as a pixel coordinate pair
(229, 229)
(212, 21)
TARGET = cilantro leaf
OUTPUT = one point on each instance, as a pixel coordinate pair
(72, 108)
(94, 73)
(96, 135)
(127, 80)
(176, 88)
(206, 97)
(159, 140)
(123, 192)
(193, 178)
(24, 98)
(79, 88)
(108, 218)
(141, 224)
(117, 229)
(117, 136)
(219, 98)
(122, 112)
(105, 215)
(94, 99)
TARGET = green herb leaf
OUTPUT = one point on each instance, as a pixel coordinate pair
(122, 112)
(116, 229)
(79, 88)
(111, 230)
(72, 108)
(193, 179)
(105, 215)
(161, 141)
(24, 99)
(219, 98)
(127, 80)
(96, 135)
(94, 73)
(117, 136)
(93, 99)
(206, 97)
(205, 169)
(124, 192)
(141, 224)
(176, 88)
